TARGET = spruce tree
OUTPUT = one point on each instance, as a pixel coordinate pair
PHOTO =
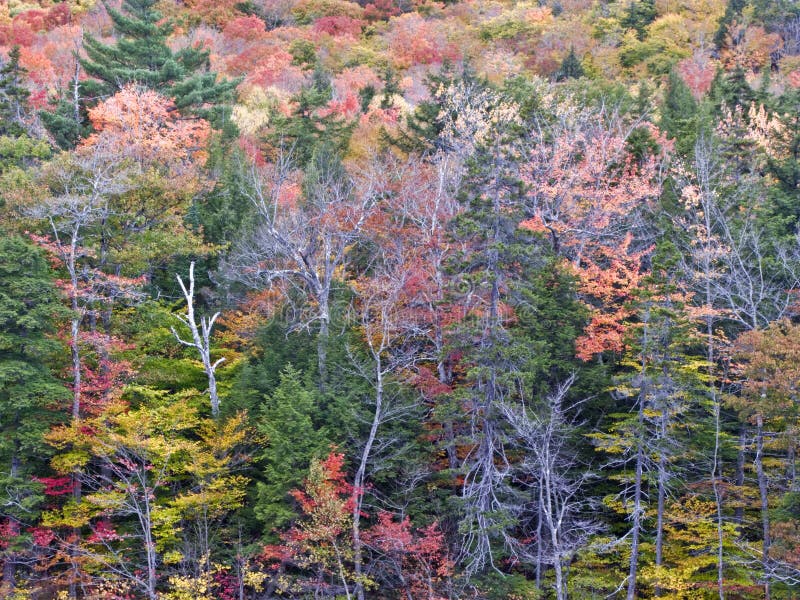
(679, 115)
(304, 131)
(29, 393)
(571, 67)
(638, 15)
(13, 95)
(291, 442)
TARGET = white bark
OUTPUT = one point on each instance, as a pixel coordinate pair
(201, 338)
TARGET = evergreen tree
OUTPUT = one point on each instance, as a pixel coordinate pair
(499, 256)
(304, 131)
(571, 67)
(142, 55)
(13, 95)
(638, 15)
(292, 441)
(783, 163)
(16, 146)
(679, 115)
(29, 393)
(733, 10)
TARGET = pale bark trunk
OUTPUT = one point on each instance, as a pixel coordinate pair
(360, 478)
(763, 493)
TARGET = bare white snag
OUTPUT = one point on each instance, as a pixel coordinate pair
(201, 338)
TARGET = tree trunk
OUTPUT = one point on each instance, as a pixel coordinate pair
(763, 491)
(639, 469)
(9, 566)
(360, 478)
(738, 515)
(637, 519)
(322, 354)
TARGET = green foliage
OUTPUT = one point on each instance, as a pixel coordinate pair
(141, 55)
(287, 420)
(304, 130)
(571, 67)
(680, 115)
(30, 394)
(638, 15)
(13, 95)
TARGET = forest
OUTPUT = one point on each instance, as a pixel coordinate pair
(399, 299)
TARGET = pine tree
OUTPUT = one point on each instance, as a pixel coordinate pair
(305, 131)
(638, 15)
(783, 163)
(142, 55)
(679, 115)
(13, 95)
(16, 146)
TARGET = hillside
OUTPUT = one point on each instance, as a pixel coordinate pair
(399, 299)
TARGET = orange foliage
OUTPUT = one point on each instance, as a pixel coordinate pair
(146, 127)
(249, 28)
(585, 185)
(749, 47)
(414, 40)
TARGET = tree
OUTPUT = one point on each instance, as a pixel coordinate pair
(563, 515)
(291, 442)
(320, 543)
(17, 148)
(312, 131)
(496, 256)
(30, 394)
(638, 15)
(152, 471)
(141, 55)
(201, 339)
(768, 369)
(302, 245)
(13, 96)
(571, 67)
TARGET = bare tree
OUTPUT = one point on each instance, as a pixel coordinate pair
(201, 338)
(558, 478)
(301, 243)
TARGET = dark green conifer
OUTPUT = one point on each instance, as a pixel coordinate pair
(29, 393)
(638, 15)
(16, 147)
(141, 55)
(571, 67)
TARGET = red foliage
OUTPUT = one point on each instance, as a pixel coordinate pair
(225, 585)
(586, 185)
(56, 486)
(414, 40)
(339, 25)
(23, 28)
(42, 536)
(419, 558)
(249, 28)
(697, 73)
(103, 531)
(380, 10)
